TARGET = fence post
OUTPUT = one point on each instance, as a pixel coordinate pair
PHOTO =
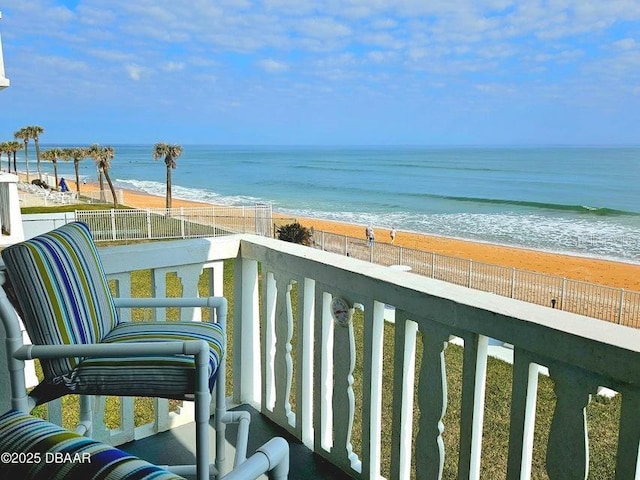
(346, 246)
(113, 224)
(148, 223)
(400, 256)
(620, 306)
(182, 223)
(470, 273)
(433, 265)
(563, 293)
(513, 282)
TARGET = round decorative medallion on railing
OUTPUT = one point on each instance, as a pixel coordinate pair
(341, 311)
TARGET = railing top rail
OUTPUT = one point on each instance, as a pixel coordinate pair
(141, 256)
(8, 178)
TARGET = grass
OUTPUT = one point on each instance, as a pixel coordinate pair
(602, 413)
(68, 208)
(136, 227)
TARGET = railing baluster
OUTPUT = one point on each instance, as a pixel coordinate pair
(283, 363)
(189, 276)
(568, 448)
(343, 404)
(270, 293)
(372, 389)
(523, 406)
(305, 371)
(247, 361)
(432, 400)
(472, 408)
(403, 392)
(323, 368)
(627, 465)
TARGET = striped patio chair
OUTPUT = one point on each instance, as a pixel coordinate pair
(35, 449)
(84, 347)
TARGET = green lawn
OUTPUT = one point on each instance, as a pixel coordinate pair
(69, 208)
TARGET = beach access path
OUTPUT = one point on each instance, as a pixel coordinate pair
(603, 272)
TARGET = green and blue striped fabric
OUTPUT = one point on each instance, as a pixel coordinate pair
(34, 449)
(62, 291)
(157, 376)
(65, 299)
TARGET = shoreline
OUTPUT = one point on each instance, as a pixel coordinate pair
(615, 274)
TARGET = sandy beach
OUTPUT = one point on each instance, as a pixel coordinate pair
(603, 272)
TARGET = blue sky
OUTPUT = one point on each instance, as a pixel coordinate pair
(429, 72)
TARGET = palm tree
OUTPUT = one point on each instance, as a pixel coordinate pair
(3, 149)
(103, 157)
(77, 154)
(13, 147)
(170, 153)
(94, 152)
(53, 155)
(23, 134)
(34, 132)
(65, 155)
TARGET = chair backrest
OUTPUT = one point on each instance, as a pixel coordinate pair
(64, 297)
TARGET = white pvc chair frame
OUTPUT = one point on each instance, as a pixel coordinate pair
(272, 456)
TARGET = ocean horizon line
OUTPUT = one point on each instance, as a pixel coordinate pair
(354, 145)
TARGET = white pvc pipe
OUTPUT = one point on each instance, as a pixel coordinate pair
(243, 419)
(272, 457)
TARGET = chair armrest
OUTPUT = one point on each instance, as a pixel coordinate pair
(142, 349)
(219, 303)
(156, 302)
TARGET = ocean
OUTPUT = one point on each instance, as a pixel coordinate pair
(576, 200)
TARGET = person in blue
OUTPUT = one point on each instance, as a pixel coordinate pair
(63, 185)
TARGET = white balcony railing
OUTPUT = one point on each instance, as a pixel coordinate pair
(4, 81)
(291, 362)
(11, 230)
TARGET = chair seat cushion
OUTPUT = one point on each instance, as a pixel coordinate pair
(167, 376)
(44, 451)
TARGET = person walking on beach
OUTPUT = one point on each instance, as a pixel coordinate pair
(63, 185)
(392, 234)
(370, 235)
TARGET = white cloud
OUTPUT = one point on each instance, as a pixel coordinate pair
(173, 66)
(273, 66)
(497, 89)
(110, 55)
(325, 28)
(60, 65)
(379, 56)
(382, 39)
(134, 71)
(627, 44)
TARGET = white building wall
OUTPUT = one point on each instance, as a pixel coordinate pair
(4, 81)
